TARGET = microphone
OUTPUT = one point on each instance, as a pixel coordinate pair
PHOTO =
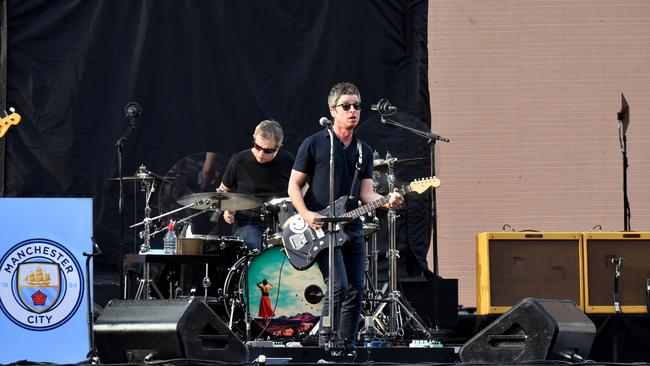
(325, 122)
(132, 110)
(384, 107)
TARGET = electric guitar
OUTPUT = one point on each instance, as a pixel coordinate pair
(6, 122)
(302, 243)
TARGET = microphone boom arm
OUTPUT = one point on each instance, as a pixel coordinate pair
(428, 135)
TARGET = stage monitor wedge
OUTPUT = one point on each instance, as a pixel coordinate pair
(533, 330)
(511, 266)
(602, 249)
(136, 331)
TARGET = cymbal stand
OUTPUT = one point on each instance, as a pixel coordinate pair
(371, 324)
(149, 187)
(372, 257)
(432, 138)
(193, 204)
(146, 284)
(399, 312)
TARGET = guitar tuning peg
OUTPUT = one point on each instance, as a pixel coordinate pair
(12, 109)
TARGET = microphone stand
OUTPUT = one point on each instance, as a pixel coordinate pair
(626, 202)
(119, 145)
(623, 122)
(432, 138)
(92, 352)
(330, 329)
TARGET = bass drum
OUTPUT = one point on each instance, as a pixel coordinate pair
(296, 297)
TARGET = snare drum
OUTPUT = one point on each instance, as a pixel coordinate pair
(214, 244)
(296, 298)
(274, 213)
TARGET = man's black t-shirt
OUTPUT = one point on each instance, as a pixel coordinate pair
(269, 180)
(313, 159)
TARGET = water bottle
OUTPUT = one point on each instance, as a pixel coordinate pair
(169, 241)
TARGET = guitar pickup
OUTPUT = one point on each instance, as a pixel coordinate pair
(319, 233)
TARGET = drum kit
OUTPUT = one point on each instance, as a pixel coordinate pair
(296, 296)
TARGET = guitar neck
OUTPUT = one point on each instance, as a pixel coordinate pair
(357, 212)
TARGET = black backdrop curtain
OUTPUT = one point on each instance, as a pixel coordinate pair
(205, 73)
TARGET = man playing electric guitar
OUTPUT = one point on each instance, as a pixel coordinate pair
(312, 166)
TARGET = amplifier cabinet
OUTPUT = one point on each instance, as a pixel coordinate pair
(511, 266)
(602, 250)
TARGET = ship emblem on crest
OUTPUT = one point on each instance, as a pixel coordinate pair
(39, 285)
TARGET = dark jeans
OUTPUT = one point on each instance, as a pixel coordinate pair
(251, 235)
(349, 261)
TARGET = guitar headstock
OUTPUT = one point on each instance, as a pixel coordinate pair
(8, 121)
(421, 185)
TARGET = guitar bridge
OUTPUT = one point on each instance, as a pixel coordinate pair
(297, 241)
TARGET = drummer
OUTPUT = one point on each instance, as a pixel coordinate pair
(262, 171)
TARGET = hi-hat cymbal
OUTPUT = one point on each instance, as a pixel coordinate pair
(131, 178)
(220, 201)
(380, 162)
(140, 177)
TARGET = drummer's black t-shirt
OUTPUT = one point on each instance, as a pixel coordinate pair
(266, 181)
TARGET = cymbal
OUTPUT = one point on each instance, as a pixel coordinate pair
(220, 200)
(383, 163)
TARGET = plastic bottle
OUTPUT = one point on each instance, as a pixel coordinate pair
(169, 241)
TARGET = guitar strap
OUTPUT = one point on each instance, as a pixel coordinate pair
(357, 169)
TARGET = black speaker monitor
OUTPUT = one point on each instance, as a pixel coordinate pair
(147, 330)
(534, 330)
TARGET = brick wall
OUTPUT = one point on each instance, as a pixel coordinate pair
(528, 91)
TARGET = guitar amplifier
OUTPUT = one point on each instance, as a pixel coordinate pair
(511, 266)
(602, 251)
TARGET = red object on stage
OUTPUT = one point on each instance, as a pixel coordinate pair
(266, 310)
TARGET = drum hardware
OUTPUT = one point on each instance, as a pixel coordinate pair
(274, 214)
(431, 138)
(208, 202)
(399, 312)
(220, 201)
(206, 282)
(236, 300)
(146, 284)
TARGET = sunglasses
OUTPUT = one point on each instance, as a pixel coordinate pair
(346, 106)
(263, 149)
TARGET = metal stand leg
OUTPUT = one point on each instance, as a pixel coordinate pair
(369, 332)
(145, 286)
(396, 320)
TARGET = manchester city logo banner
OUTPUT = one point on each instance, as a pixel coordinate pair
(42, 278)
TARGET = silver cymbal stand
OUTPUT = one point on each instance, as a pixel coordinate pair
(146, 284)
(399, 312)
